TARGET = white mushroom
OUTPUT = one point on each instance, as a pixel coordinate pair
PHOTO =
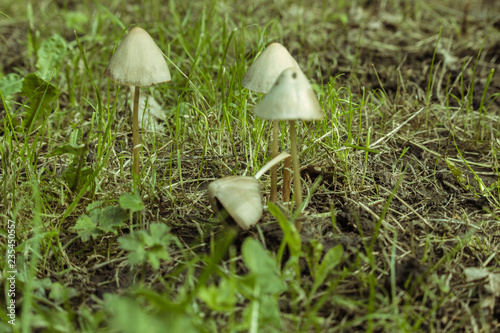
(291, 98)
(236, 199)
(260, 77)
(137, 61)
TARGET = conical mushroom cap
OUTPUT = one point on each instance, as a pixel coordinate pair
(291, 98)
(261, 76)
(239, 196)
(138, 61)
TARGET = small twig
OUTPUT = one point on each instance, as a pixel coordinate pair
(382, 139)
(409, 207)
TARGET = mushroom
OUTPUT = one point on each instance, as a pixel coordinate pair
(291, 98)
(260, 77)
(137, 62)
(236, 199)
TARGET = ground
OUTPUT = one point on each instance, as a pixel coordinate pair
(400, 230)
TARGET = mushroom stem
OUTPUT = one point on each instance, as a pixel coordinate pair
(136, 139)
(274, 169)
(296, 170)
(286, 179)
(271, 163)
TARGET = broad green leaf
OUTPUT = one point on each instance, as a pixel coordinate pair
(40, 94)
(131, 201)
(10, 84)
(70, 173)
(129, 316)
(221, 298)
(69, 148)
(262, 266)
(331, 259)
(50, 55)
(291, 235)
(94, 205)
(86, 228)
(133, 243)
(61, 294)
(111, 217)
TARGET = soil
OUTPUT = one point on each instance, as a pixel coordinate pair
(403, 199)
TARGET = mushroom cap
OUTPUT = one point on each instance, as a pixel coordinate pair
(291, 98)
(262, 74)
(138, 61)
(240, 197)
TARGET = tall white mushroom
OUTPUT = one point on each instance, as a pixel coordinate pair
(137, 62)
(291, 98)
(260, 77)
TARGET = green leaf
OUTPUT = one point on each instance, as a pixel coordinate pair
(40, 94)
(10, 84)
(50, 55)
(86, 228)
(130, 314)
(262, 266)
(221, 298)
(331, 259)
(148, 246)
(291, 235)
(71, 172)
(69, 148)
(132, 202)
(61, 294)
(94, 205)
(111, 217)
(458, 174)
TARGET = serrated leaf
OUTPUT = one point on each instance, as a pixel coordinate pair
(110, 218)
(148, 245)
(330, 260)
(10, 84)
(86, 228)
(94, 205)
(262, 266)
(50, 54)
(40, 94)
(219, 298)
(131, 201)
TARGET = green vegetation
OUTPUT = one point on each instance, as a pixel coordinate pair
(400, 223)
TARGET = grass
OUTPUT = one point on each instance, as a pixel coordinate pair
(400, 178)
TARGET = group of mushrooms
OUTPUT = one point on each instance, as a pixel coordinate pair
(138, 61)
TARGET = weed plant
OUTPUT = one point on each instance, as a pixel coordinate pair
(400, 177)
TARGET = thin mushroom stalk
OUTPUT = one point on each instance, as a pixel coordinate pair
(136, 136)
(296, 169)
(137, 62)
(261, 77)
(291, 98)
(274, 169)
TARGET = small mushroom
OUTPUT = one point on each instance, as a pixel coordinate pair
(291, 98)
(237, 199)
(137, 62)
(260, 77)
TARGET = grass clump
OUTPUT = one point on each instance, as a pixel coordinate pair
(400, 177)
